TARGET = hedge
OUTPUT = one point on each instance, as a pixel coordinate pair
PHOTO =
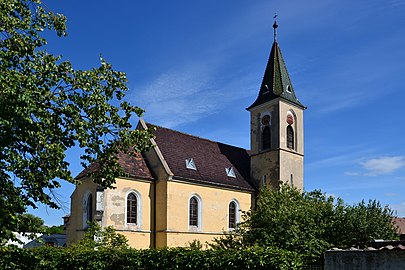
(173, 258)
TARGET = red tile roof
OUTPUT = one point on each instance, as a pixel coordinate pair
(211, 158)
(400, 223)
(133, 166)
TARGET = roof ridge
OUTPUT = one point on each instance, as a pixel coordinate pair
(201, 138)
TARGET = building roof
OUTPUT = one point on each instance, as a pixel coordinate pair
(57, 240)
(400, 223)
(132, 166)
(210, 158)
(276, 81)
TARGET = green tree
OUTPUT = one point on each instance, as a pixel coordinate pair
(54, 229)
(48, 107)
(309, 223)
(97, 238)
(31, 224)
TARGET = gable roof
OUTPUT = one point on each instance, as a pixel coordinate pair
(132, 166)
(211, 159)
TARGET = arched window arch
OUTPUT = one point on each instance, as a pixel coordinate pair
(233, 214)
(266, 138)
(194, 212)
(290, 137)
(133, 209)
(87, 208)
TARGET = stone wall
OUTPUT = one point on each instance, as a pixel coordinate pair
(365, 259)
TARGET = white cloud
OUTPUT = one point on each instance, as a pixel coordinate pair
(352, 173)
(399, 209)
(391, 194)
(188, 94)
(383, 165)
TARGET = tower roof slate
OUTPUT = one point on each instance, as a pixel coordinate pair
(276, 82)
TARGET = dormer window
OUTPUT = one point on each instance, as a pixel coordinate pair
(267, 90)
(230, 172)
(190, 164)
(288, 89)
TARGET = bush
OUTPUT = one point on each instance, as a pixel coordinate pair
(171, 258)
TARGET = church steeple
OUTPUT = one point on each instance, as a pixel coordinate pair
(276, 127)
(276, 81)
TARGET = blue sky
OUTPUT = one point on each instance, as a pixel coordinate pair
(195, 66)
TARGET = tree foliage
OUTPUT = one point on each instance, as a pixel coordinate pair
(309, 223)
(170, 258)
(48, 107)
(106, 238)
(31, 224)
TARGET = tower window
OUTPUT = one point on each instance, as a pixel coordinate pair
(264, 181)
(266, 138)
(132, 208)
(291, 180)
(290, 137)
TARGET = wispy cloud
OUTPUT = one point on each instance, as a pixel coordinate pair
(383, 165)
(352, 173)
(188, 94)
(399, 209)
(391, 194)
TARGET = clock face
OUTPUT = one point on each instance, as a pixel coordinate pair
(266, 120)
(290, 119)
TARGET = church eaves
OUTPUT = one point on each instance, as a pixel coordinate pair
(276, 81)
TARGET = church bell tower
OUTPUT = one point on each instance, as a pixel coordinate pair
(277, 127)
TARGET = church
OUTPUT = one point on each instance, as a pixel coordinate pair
(189, 188)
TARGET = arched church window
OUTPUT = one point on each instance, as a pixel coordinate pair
(89, 209)
(290, 137)
(193, 214)
(132, 208)
(232, 215)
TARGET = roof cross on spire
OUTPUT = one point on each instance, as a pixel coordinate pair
(275, 25)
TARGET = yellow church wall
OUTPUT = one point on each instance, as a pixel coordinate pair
(161, 213)
(75, 229)
(138, 235)
(214, 211)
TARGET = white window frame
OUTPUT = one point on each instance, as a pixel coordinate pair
(138, 225)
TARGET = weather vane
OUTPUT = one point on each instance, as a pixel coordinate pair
(275, 25)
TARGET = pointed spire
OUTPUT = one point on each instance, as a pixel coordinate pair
(276, 81)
